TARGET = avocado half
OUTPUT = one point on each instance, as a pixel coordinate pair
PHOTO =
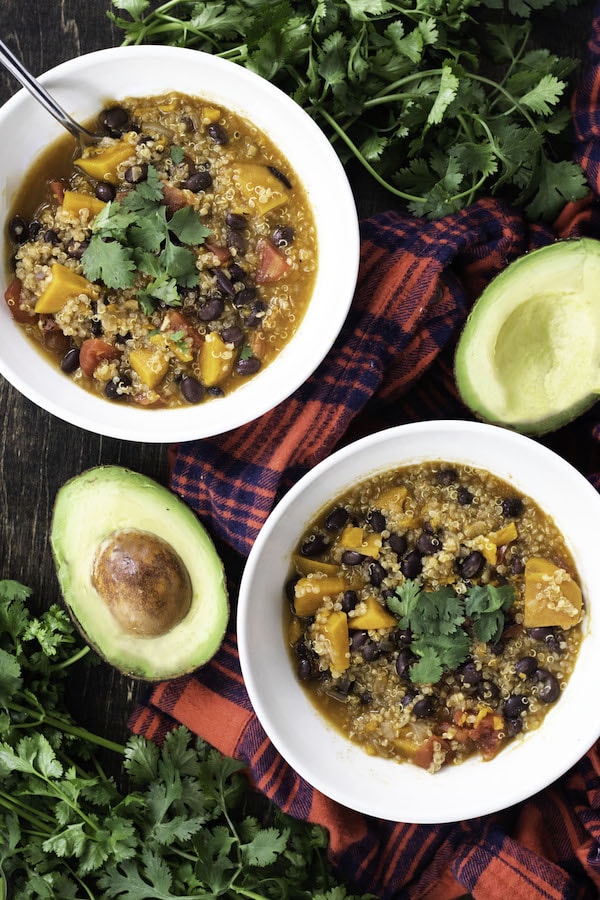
(139, 574)
(529, 355)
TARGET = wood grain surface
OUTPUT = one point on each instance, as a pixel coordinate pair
(38, 452)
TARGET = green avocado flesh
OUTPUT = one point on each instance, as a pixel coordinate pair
(139, 574)
(529, 355)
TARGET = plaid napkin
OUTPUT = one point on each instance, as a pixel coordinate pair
(391, 364)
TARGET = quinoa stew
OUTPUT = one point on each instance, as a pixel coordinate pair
(170, 262)
(433, 614)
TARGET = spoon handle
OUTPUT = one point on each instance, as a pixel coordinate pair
(16, 68)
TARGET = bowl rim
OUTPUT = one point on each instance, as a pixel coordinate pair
(402, 792)
(314, 337)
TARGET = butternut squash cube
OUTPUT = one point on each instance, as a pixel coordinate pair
(552, 596)
(150, 364)
(374, 617)
(504, 535)
(310, 591)
(75, 201)
(104, 164)
(211, 114)
(353, 538)
(257, 185)
(305, 566)
(335, 631)
(216, 360)
(393, 498)
(64, 284)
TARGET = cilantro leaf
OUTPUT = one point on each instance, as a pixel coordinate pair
(486, 604)
(187, 227)
(109, 262)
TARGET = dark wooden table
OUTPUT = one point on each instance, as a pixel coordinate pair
(39, 452)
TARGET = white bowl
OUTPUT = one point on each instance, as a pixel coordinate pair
(319, 753)
(82, 86)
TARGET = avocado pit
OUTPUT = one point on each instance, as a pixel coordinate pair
(143, 582)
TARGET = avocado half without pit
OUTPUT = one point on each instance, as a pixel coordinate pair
(139, 574)
(529, 355)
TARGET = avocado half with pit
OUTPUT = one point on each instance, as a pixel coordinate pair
(139, 574)
(529, 355)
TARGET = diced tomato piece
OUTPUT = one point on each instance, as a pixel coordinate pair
(14, 297)
(93, 351)
(223, 254)
(271, 263)
(177, 321)
(424, 755)
(54, 337)
(174, 198)
(58, 191)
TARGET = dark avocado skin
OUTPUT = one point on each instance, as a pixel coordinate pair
(106, 501)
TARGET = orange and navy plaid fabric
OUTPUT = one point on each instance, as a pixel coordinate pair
(391, 364)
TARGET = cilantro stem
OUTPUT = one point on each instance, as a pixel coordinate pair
(365, 163)
(35, 816)
(72, 659)
(66, 726)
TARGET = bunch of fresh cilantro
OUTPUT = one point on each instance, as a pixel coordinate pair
(442, 101)
(188, 826)
(443, 623)
(134, 235)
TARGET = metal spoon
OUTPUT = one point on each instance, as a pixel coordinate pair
(17, 69)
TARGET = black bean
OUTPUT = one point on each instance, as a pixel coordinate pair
(76, 249)
(336, 519)
(314, 545)
(488, 691)
(517, 566)
(280, 176)
(18, 230)
(352, 558)
(446, 477)
(349, 600)
(70, 361)
(513, 726)
(215, 391)
(105, 191)
(497, 648)
(244, 297)
(376, 573)
(306, 669)
(409, 696)
(114, 389)
(549, 635)
(235, 240)
(424, 707)
(291, 595)
(257, 314)
(191, 389)
(236, 221)
(526, 666)
(236, 273)
(217, 133)
(358, 639)
(122, 338)
(428, 544)
(137, 173)
(233, 335)
(464, 496)
(247, 366)
(376, 519)
(469, 673)
(472, 564)
(370, 651)
(34, 229)
(404, 661)
(51, 237)
(199, 181)
(512, 507)
(403, 637)
(212, 309)
(115, 120)
(223, 282)
(366, 697)
(283, 236)
(549, 688)
(398, 543)
(96, 327)
(515, 705)
(411, 565)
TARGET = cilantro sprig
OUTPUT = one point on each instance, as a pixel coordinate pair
(438, 622)
(187, 826)
(439, 102)
(134, 234)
